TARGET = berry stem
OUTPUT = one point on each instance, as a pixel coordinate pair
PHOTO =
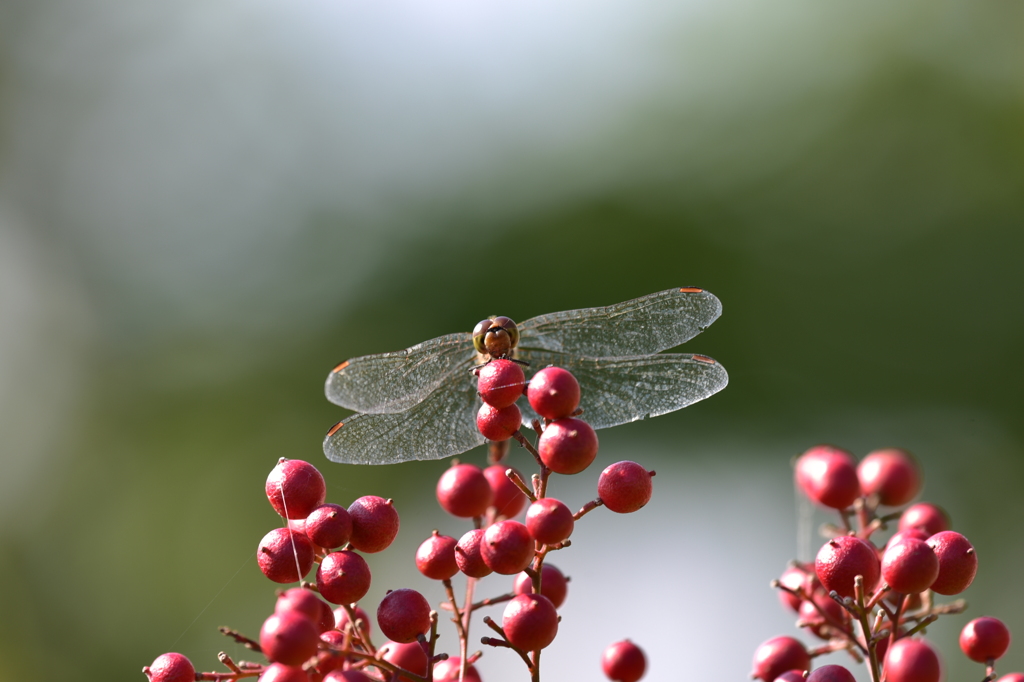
(895, 618)
(459, 626)
(862, 617)
(520, 483)
(589, 506)
(503, 641)
(358, 624)
(241, 639)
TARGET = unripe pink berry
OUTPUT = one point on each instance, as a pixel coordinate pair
(435, 557)
(296, 485)
(468, 554)
(464, 491)
(553, 584)
(892, 474)
(507, 547)
(958, 562)
(553, 393)
(830, 673)
(843, 558)
(329, 526)
(500, 382)
(308, 604)
(778, 655)
(828, 476)
(910, 566)
(343, 577)
(403, 614)
(911, 660)
(930, 518)
(278, 672)
(549, 521)
(170, 667)
(289, 638)
(409, 657)
(509, 500)
(530, 622)
(497, 425)
(625, 487)
(568, 445)
(984, 639)
(623, 662)
(374, 523)
(448, 671)
(279, 552)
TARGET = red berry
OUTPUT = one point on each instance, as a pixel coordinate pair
(341, 618)
(549, 521)
(507, 547)
(464, 491)
(374, 523)
(841, 559)
(831, 673)
(553, 584)
(500, 383)
(170, 667)
(911, 660)
(899, 536)
(892, 474)
(984, 638)
(343, 577)
(345, 676)
(329, 526)
(553, 393)
(279, 552)
(296, 485)
(958, 562)
(930, 518)
(778, 655)
(308, 604)
(448, 671)
(436, 557)
(410, 657)
(625, 487)
(796, 578)
(278, 672)
(497, 424)
(289, 638)
(823, 626)
(1012, 677)
(910, 566)
(828, 476)
(530, 622)
(792, 676)
(468, 554)
(403, 614)
(509, 500)
(567, 446)
(329, 658)
(623, 662)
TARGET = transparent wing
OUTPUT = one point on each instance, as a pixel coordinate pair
(615, 391)
(642, 326)
(441, 425)
(394, 382)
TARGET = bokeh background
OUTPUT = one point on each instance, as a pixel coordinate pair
(205, 206)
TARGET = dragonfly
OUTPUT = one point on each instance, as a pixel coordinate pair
(421, 403)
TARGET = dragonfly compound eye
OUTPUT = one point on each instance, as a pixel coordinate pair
(509, 326)
(479, 332)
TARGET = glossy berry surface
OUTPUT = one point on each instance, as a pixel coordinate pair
(497, 425)
(329, 526)
(958, 562)
(623, 662)
(464, 491)
(822, 615)
(403, 614)
(289, 638)
(343, 577)
(830, 673)
(468, 554)
(170, 667)
(409, 657)
(278, 672)
(507, 547)
(797, 579)
(530, 622)
(910, 566)
(308, 604)
(341, 618)
(778, 655)
(791, 676)
(553, 393)
(435, 557)
(345, 676)
(553, 584)
(843, 558)
(549, 521)
(625, 487)
(828, 476)
(567, 446)
(912, 660)
(374, 523)
(448, 671)
(500, 383)
(509, 500)
(891, 474)
(984, 638)
(929, 517)
(280, 550)
(297, 485)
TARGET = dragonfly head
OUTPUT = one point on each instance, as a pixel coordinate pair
(495, 337)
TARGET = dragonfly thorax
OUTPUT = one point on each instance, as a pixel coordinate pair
(495, 337)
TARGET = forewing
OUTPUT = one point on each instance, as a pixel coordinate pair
(642, 326)
(616, 391)
(394, 382)
(441, 425)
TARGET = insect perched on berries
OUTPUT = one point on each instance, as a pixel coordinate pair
(420, 403)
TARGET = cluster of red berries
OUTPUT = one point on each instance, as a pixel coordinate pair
(869, 600)
(307, 639)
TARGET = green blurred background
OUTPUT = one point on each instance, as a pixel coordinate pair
(205, 206)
